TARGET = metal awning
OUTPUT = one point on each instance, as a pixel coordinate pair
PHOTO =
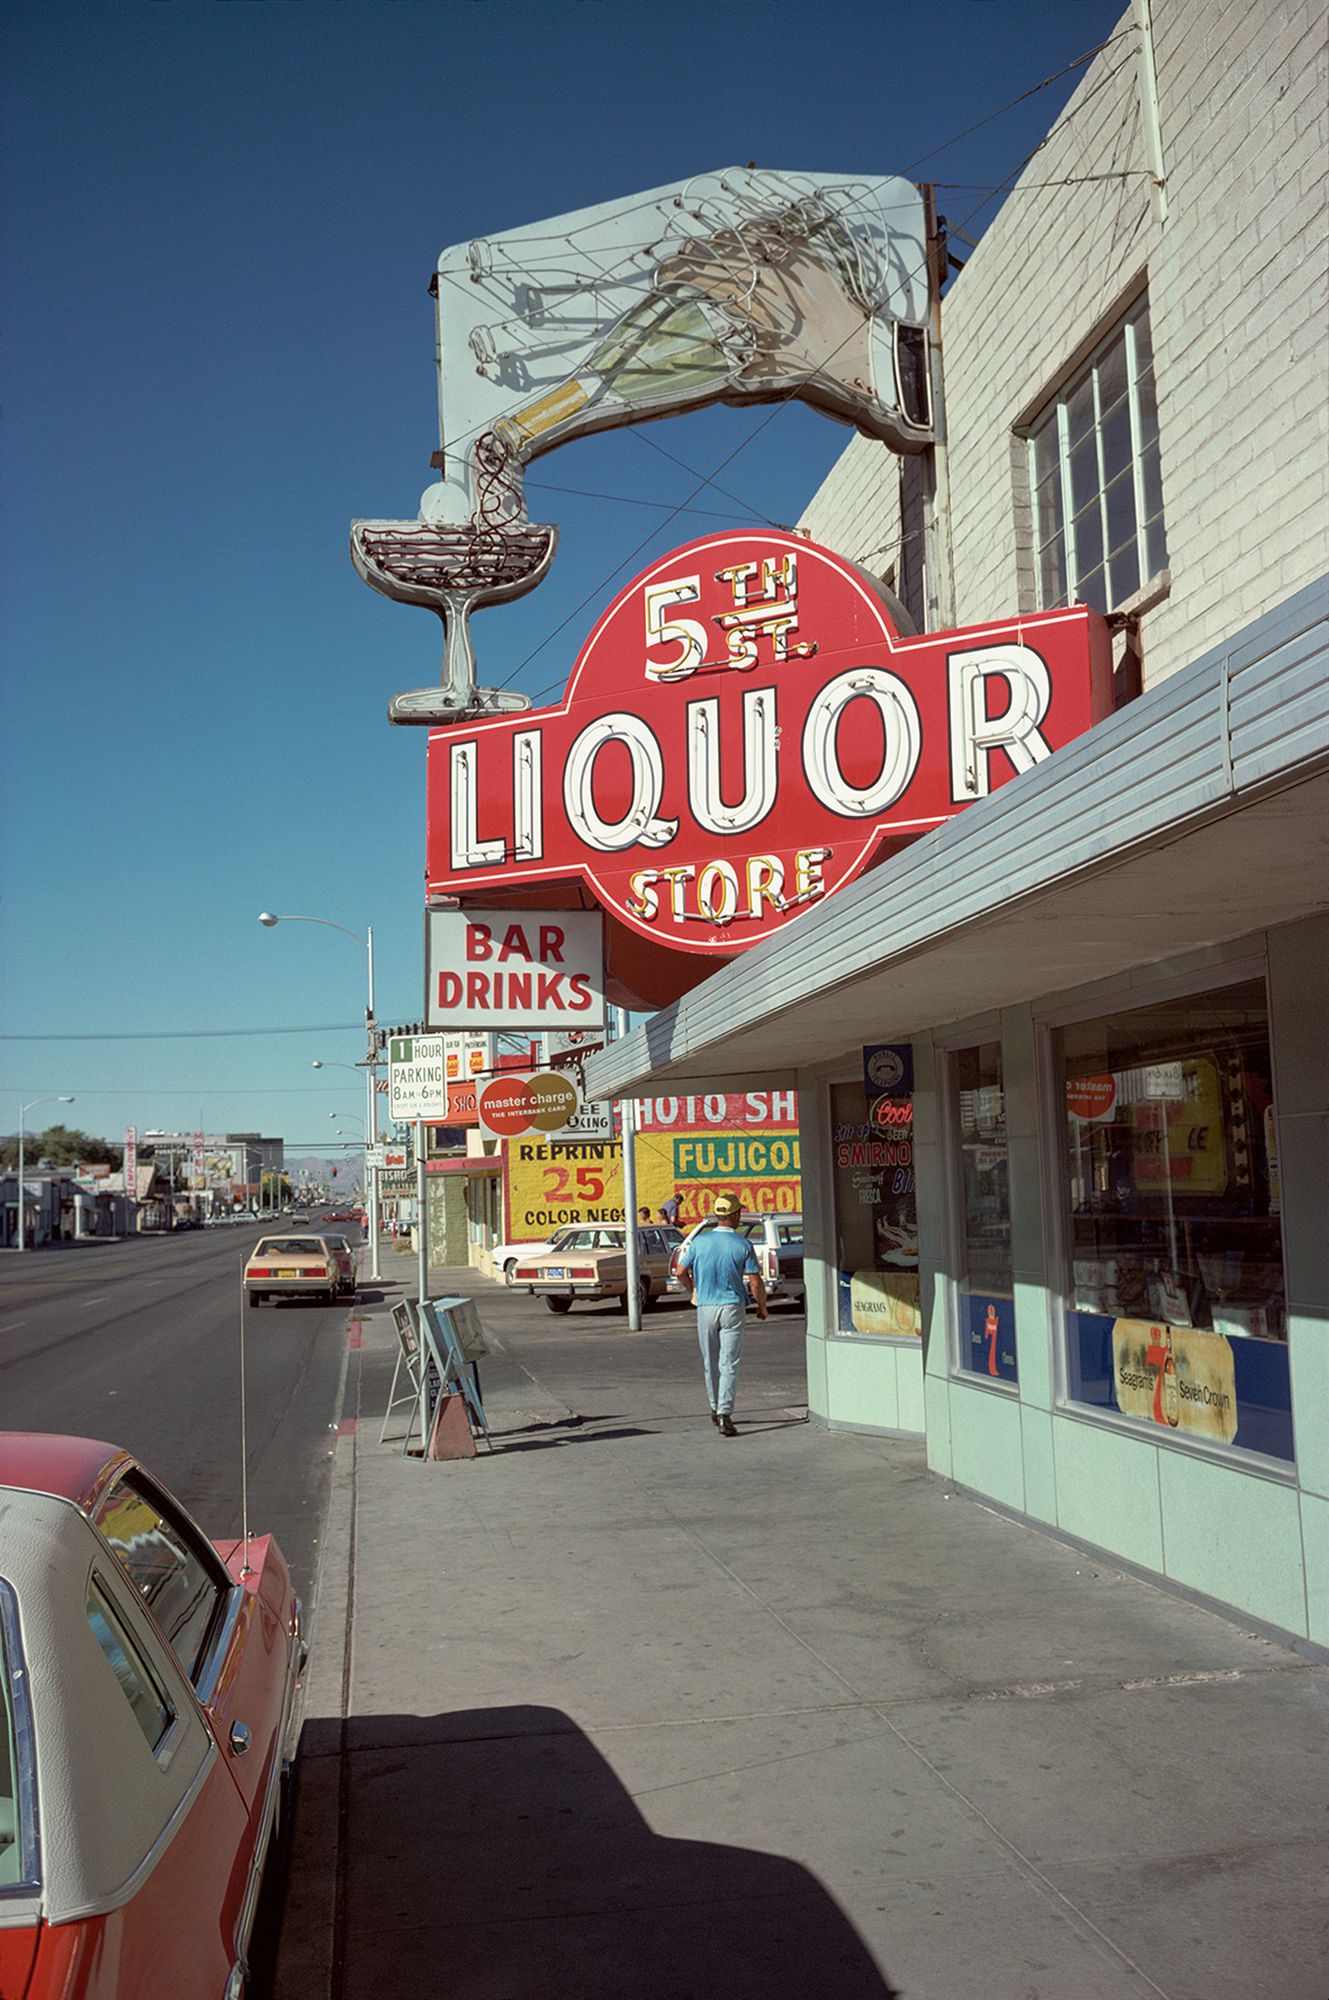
(1197, 815)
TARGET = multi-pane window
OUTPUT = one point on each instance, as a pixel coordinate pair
(1094, 472)
(1177, 1308)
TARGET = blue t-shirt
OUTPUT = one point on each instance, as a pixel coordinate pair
(719, 1259)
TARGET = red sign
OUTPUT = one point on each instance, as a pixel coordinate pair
(1090, 1097)
(743, 732)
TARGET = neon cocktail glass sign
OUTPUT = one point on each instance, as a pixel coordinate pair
(743, 731)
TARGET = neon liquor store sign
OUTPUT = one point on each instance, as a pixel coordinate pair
(744, 731)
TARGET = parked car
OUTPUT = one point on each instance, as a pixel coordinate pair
(778, 1241)
(293, 1267)
(147, 1684)
(506, 1256)
(592, 1263)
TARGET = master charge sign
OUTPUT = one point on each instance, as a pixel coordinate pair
(514, 969)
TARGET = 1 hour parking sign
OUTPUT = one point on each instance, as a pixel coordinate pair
(417, 1077)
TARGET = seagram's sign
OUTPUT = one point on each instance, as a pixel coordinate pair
(743, 731)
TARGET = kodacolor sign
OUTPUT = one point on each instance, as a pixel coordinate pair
(742, 732)
(514, 968)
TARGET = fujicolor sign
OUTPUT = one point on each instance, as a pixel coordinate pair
(743, 731)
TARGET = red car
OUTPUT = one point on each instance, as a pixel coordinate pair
(147, 1683)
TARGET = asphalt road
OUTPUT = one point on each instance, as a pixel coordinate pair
(138, 1342)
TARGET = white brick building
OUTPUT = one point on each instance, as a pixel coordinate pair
(1110, 979)
(1237, 279)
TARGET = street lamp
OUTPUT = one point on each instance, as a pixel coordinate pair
(23, 1111)
(269, 918)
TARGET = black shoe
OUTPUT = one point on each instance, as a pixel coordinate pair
(726, 1424)
(715, 1416)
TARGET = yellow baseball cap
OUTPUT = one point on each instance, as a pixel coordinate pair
(728, 1204)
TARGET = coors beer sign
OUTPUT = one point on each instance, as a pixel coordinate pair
(744, 731)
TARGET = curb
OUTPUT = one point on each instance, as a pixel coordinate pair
(308, 1953)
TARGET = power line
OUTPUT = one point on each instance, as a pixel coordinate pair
(191, 1034)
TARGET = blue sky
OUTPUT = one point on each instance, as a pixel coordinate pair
(221, 218)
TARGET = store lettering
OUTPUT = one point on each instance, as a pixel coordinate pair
(874, 1153)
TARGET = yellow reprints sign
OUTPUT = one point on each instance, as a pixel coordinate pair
(695, 1147)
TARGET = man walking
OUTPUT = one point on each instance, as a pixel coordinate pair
(716, 1265)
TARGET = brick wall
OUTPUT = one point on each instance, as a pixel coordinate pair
(1239, 308)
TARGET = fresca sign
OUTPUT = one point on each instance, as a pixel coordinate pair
(743, 732)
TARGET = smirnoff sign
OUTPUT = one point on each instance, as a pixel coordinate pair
(743, 731)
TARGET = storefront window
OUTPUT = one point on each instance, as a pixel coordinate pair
(984, 1283)
(876, 1219)
(1176, 1294)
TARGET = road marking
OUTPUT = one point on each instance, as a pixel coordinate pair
(98, 1301)
(12, 1325)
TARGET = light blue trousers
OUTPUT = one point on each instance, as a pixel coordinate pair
(720, 1333)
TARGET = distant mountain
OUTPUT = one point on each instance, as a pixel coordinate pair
(318, 1167)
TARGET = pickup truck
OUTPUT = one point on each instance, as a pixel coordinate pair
(778, 1240)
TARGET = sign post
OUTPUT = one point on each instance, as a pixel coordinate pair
(628, 1113)
(421, 1216)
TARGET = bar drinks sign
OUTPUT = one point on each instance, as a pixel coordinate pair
(514, 969)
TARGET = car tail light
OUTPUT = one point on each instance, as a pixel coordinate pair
(770, 1264)
(575, 1271)
(313, 1271)
(259, 1271)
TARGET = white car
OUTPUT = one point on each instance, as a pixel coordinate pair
(778, 1241)
(505, 1255)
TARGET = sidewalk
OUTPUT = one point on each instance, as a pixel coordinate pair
(628, 1711)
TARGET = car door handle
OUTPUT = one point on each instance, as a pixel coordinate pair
(240, 1738)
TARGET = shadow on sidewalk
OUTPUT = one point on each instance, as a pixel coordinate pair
(553, 1437)
(496, 1854)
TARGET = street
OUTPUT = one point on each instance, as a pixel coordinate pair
(137, 1342)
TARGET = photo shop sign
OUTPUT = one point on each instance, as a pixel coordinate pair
(744, 730)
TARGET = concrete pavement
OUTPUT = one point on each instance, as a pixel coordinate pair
(627, 1709)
